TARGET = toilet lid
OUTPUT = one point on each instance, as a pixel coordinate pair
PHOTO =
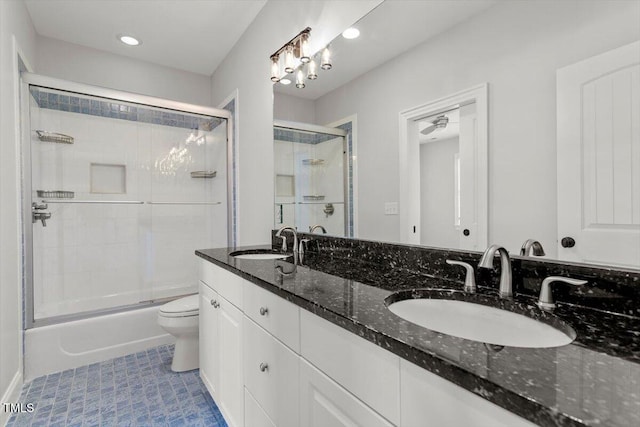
(186, 305)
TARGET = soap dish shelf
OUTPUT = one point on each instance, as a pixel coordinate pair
(59, 138)
(203, 174)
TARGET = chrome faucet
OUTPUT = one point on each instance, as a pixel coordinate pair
(545, 301)
(506, 282)
(284, 238)
(315, 227)
(531, 247)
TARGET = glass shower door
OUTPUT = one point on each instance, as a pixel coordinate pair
(122, 194)
(310, 181)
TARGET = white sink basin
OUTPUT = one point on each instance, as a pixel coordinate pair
(482, 323)
(258, 254)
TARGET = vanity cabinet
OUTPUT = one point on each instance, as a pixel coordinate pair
(268, 363)
(221, 370)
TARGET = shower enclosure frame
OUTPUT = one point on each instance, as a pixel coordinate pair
(28, 79)
(308, 127)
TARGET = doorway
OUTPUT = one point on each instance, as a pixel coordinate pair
(443, 187)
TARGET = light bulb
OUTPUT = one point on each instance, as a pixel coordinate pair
(300, 80)
(312, 70)
(288, 60)
(325, 63)
(304, 48)
(275, 69)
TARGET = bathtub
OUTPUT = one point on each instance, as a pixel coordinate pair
(68, 345)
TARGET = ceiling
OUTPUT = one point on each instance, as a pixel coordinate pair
(191, 35)
(392, 28)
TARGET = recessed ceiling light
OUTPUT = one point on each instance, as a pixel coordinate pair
(351, 33)
(129, 40)
(285, 81)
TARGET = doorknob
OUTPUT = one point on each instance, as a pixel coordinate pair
(568, 242)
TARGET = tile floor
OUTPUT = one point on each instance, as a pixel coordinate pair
(135, 390)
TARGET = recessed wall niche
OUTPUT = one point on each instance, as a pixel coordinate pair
(108, 178)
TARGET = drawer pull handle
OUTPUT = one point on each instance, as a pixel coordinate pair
(264, 311)
(264, 367)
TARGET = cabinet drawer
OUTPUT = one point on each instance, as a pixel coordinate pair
(429, 400)
(271, 375)
(371, 373)
(275, 314)
(324, 403)
(222, 281)
(254, 415)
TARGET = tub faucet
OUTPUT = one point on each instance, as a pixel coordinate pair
(315, 227)
(506, 282)
(284, 238)
(531, 247)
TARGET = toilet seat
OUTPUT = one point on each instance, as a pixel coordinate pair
(183, 307)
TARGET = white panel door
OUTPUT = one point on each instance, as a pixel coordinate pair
(230, 351)
(599, 158)
(209, 341)
(323, 403)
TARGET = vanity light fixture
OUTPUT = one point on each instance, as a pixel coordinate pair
(128, 40)
(351, 33)
(297, 49)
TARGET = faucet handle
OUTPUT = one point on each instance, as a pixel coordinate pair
(545, 302)
(469, 279)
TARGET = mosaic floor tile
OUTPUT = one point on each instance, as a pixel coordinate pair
(134, 390)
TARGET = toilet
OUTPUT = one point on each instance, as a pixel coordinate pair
(180, 319)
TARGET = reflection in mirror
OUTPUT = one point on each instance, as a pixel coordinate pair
(564, 146)
(311, 182)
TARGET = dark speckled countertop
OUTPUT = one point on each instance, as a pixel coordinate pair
(593, 381)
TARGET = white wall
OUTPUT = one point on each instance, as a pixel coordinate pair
(293, 109)
(246, 68)
(514, 46)
(91, 66)
(15, 24)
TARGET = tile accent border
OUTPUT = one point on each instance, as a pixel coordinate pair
(103, 107)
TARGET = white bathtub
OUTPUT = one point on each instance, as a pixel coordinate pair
(69, 345)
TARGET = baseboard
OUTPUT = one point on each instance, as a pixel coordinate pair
(11, 395)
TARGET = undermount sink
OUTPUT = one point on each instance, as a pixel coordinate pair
(259, 254)
(471, 316)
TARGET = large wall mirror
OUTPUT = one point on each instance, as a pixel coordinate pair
(551, 152)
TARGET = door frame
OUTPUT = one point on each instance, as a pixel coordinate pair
(409, 150)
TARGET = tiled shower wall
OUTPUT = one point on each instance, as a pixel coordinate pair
(93, 256)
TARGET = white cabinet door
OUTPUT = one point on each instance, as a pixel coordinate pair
(323, 403)
(599, 158)
(208, 333)
(221, 354)
(429, 400)
(230, 354)
(271, 375)
(254, 415)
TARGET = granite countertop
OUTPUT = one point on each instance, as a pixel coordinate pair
(593, 381)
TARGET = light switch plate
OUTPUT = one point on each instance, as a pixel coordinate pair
(391, 208)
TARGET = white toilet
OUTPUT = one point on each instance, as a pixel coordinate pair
(180, 318)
